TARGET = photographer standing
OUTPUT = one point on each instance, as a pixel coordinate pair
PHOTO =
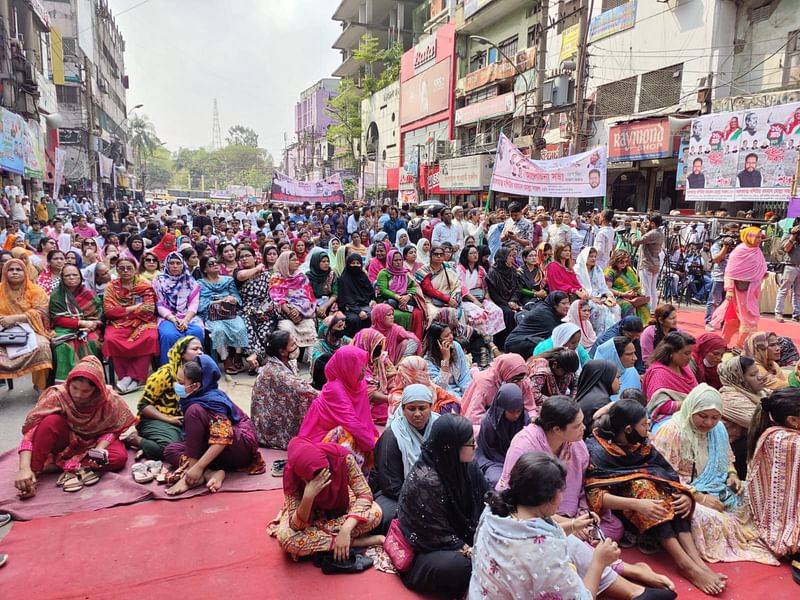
(719, 256)
(650, 259)
(790, 279)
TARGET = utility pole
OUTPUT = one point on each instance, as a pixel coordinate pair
(580, 78)
(94, 166)
(541, 70)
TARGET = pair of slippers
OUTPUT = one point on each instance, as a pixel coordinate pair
(796, 568)
(355, 563)
(75, 482)
(147, 471)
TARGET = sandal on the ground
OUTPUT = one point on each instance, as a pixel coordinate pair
(278, 467)
(796, 569)
(648, 545)
(153, 467)
(161, 477)
(141, 474)
(87, 476)
(70, 482)
(177, 474)
(628, 540)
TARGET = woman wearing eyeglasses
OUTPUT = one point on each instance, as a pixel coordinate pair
(150, 267)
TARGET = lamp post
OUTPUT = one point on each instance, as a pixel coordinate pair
(487, 42)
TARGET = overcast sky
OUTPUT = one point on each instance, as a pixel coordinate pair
(253, 56)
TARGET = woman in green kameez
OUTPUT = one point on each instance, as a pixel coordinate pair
(624, 284)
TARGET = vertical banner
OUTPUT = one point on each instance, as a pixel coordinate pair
(58, 175)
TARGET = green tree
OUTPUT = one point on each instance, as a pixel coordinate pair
(345, 110)
(143, 141)
(160, 169)
(239, 135)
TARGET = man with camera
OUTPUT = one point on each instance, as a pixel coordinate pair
(720, 250)
(790, 278)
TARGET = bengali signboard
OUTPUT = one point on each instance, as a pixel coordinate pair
(493, 107)
(286, 189)
(612, 21)
(743, 156)
(569, 42)
(465, 173)
(577, 176)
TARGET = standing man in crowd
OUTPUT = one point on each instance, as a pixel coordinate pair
(604, 242)
(720, 250)
(394, 224)
(518, 229)
(651, 244)
(791, 274)
(448, 231)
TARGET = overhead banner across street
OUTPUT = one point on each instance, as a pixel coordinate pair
(749, 155)
(577, 176)
(286, 189)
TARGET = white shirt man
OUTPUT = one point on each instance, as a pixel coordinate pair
(604, 242)
(448, 231)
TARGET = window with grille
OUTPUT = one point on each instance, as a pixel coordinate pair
(609, 4)
(568, 14)
(67, 94)
(531, 36)
(791, 72)
(476, 62)
(70, 46)
(509, 47)
(617, 98)
(660, 88)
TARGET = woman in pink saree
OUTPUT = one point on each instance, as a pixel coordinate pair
(743, 276)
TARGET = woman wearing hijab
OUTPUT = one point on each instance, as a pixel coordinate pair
(706, 357)
(744, 273)
(380, 251)
(290, 291)
(508, 368)
(764, 348)
(22, 302)
(503, 287)
(604, 309)
(505, 418)
(399, 342)
(356, 295)
(336, 254)
(414, 369)
(599, 380)
(580, 313)
(398, 288)
(402, 239)
(77, 317)
(300, 248)
(538, 324)
(69, 419)
(328, 506)
(424, 251)
(341, 412)
(621, 351)
(135, 248)
(440, 504)
(218, 435)
(330, 337)
(695, 443)
(178, 295)
(324, 282)
(399, 447)
(165, 247)
(380, 372)
(566, 335)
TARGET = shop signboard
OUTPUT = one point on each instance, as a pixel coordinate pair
(743, 156)
(579, 175)
(34, 150)
(21, 145)
(286, 189)
(612, 21)
(407, 180)
(500, 70)
(569, 42)
(465, 173)
(426, 94)
(640, 140)
(493, 107)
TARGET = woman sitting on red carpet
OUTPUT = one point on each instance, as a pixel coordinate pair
(328, 505)
(75, 426)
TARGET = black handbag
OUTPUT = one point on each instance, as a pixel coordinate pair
(13, 336)
(222, 311)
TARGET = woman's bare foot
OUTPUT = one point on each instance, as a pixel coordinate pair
(642, 573)
(705, 579)
(214, 480)
(180, 487)
(368, 540)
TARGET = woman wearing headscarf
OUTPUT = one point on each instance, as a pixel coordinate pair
(414, 369)
(399, 447)
(579, 314)
(76, 314)
(742, 392)
(328, 506)
(439, 284)
(356, 295)
(22, 302)
(380, 372)
(258, 311)
(695, 443)
(280, 395)
(165, 247)
(551, 373)
(538, 324)
(341, 411)
(135, 248)
(380, 251)
(218, 435)
(508, 368)
(424, 251)
(505, 418)
(706, 357)
(300, 248)
(440, 504)
(402, 239)
(744, 273)
(336, 254)
(178, 295)
(599, 380)
(290, 291)
(324, 282)
(330, 337)
(621, 351)
(399, 342)
(566, 335)
(765, 349)
(69, 419)
(131, 334)
(398, 288)
(604, 309)
(160, 418)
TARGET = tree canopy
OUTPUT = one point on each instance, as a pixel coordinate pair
(239, 135)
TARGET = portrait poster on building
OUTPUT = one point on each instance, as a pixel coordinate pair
(578, 176)
(744, 156)
(286, 189)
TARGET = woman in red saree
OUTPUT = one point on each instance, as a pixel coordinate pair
(743, 276)
(560, 275)
(131, 336)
